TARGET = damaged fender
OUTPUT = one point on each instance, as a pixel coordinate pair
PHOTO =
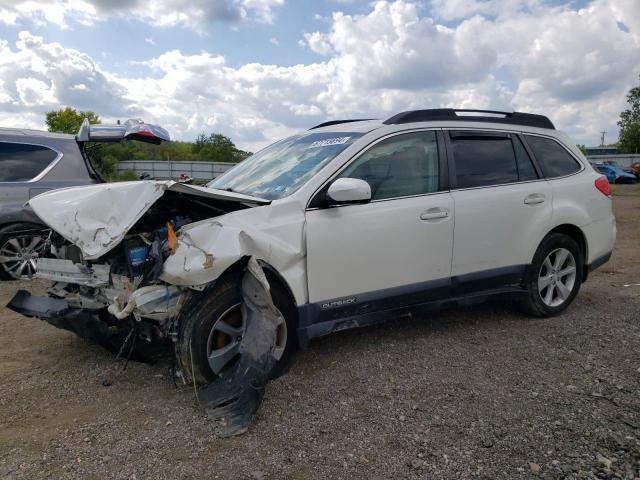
(206, 249)
(233, 399)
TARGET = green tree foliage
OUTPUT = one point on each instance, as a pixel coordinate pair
(215, 147)
(582, 148)
(629, 140)
(68, 120)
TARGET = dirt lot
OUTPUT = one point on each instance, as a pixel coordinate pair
(479, 392)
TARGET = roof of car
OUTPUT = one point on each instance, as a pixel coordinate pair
(361, 126)
(446, 117)
(17, 132)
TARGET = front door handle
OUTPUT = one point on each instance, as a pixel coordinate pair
(435, 213)
(534, 199)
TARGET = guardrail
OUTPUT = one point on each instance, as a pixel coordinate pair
(162, 169)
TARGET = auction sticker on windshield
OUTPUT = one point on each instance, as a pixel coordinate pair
(329, 141)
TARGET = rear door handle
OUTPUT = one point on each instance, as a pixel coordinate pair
(435, 213)
(534, 199)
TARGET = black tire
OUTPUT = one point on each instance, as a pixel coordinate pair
(201, 313)
(23, 231)
(534, 304)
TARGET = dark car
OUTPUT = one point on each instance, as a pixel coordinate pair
(33, 162)
(615, 174)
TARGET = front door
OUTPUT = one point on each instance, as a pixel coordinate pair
(395, 250)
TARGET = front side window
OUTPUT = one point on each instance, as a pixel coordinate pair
(20, 162)
(553, 159)
(282, 168)
(399, 166)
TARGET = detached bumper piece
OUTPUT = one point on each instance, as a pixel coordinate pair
(41, 307)
(93, 327)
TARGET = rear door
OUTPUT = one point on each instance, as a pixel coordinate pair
(21, 166)
(502, 204)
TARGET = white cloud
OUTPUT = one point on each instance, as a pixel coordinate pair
(573, 65)
(37, 76)
(194, 14)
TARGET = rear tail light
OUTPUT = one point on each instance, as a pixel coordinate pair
(602, 184)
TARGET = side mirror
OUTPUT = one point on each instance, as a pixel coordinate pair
(349, 190)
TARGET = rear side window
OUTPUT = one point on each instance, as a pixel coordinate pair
(553, 159)
(483, 159)
(21, 162)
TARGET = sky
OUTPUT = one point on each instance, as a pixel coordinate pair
(259, 70)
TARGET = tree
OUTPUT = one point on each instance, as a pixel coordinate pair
(68, 120)
(582, 148)
(629, 140)
(215, 148)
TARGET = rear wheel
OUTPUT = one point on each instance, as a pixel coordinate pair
(212, 329)
(555, 276)
(21, 244)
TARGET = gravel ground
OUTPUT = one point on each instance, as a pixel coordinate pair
(480, 392)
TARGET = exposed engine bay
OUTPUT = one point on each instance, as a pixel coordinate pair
(123, 284)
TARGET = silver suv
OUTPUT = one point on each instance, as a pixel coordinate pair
(33, 162)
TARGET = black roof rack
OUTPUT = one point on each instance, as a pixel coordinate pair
(442, 114)
(337, 122)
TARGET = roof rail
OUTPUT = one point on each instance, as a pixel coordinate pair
(451, 114)
(337, 122)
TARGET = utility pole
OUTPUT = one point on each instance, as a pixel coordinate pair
(602, 134)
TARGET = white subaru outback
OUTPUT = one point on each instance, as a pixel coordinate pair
(352, 222)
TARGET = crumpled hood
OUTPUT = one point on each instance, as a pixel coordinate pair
(97, 217)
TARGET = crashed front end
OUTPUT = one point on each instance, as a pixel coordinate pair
(136, 255)
(107, 279)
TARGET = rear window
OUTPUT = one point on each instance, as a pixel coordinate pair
(553, 159)
(483, 159)
(21, 162)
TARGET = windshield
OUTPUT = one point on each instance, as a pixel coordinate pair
(282, 168)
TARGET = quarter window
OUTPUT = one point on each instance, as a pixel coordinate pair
(399, 166)
(21, 162)
(553, 159)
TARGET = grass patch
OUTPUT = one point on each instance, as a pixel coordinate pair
(632, 190)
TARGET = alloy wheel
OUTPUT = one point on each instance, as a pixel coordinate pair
(18, 255)
(226, 336)
(557, 277)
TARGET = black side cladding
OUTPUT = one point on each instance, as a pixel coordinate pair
(233, 399)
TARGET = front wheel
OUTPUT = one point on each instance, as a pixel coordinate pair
(555, 276)
(212, 328)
